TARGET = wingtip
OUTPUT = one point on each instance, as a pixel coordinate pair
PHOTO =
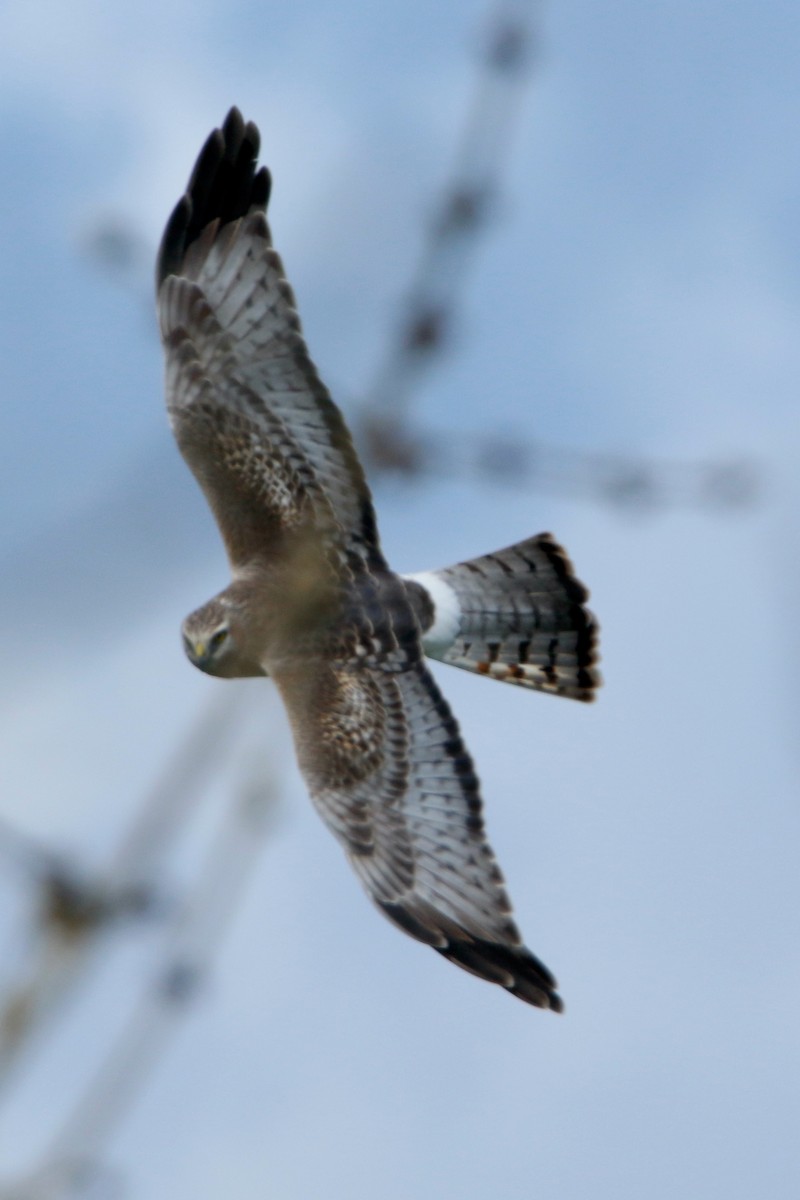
(233, 124)
(225, 184)
(513, 968)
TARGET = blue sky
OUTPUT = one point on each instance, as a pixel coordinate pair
(638, 293)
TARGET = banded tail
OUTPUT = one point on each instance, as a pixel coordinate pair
(517, 615)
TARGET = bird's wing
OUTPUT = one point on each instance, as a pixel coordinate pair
(250, 414)
(389, 773)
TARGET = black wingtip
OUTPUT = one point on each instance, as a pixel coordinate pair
(511, 967)
(224, 185)
(517, 970)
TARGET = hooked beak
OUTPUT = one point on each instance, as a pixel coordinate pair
(197, 653)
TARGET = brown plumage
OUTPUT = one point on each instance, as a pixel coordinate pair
(312, 601)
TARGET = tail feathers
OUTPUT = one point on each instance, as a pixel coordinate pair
(517, 615)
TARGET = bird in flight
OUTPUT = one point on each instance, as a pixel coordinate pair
(313, 603)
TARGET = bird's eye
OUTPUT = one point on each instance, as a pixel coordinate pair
(216, 640)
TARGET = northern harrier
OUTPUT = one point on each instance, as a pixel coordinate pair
(313, 603)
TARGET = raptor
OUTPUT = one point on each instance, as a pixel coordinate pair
(313, 603)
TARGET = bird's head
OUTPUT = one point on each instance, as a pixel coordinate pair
(210, 641)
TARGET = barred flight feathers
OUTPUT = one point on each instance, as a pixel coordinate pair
(517, 615)
(313, 603)
(389, 774)
(263, 435)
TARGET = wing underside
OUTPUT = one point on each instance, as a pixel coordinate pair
(248, 409)
(389, 773)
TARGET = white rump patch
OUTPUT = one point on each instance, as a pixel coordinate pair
(446, 613)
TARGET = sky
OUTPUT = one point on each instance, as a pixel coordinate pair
(637, 293)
